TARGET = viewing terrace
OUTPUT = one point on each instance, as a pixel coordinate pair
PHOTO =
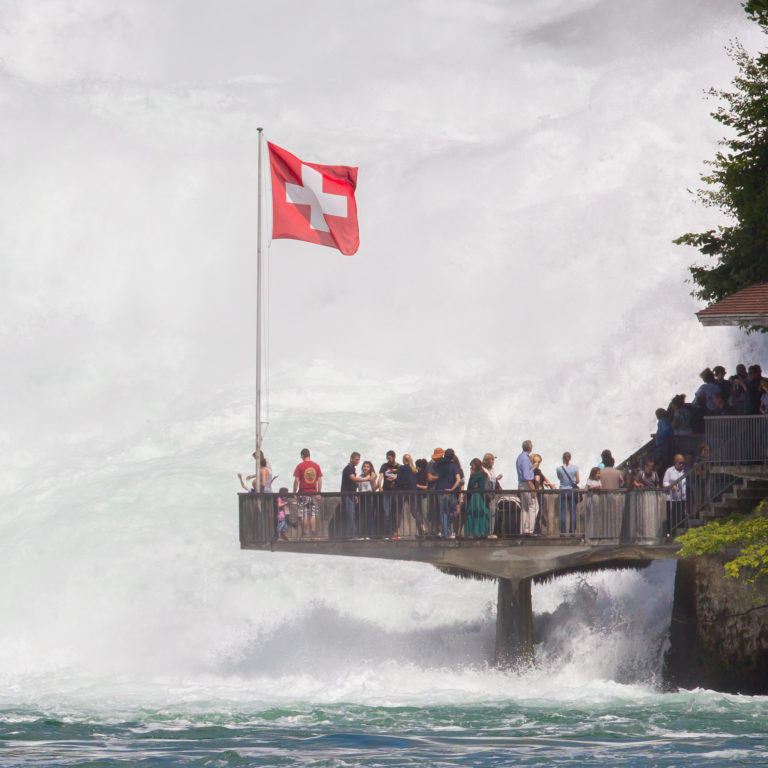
(610, 529)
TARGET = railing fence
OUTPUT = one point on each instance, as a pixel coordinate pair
(595, 516)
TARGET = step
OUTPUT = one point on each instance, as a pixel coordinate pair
(738, 500)
(734, 505)
(752, 493)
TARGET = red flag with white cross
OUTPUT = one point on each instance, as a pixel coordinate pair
(312, 202)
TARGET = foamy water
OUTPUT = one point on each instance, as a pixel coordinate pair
(523, 171)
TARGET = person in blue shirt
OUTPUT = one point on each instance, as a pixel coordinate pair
(448, 482)
(568, 475)
(662, 439)
(529, 506)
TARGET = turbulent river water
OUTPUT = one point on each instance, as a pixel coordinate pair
(523, 171)
(135, 632)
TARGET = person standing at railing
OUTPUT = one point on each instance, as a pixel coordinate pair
(448, 482)
(252, 489)
(675, 487)
(388, 483)
(540, 481)
(704, 394)
(738, 399)
(365, 488)
(265, 474)
(433, 518)
(610, 478)
(646, 477)
(764, 396)
(489, 461)
(662, 440)
(349, 485)
(308, 481)
(682, 416)
(754, 392)
(721, 407)
(422, 485)
(478, 514)
(528, 504)
(407, 480)
(282, 512)
(458, 520)
(723, 384)
(568, 476)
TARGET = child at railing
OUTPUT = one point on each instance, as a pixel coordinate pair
(283, 507)
(252, 489)
(594, 478)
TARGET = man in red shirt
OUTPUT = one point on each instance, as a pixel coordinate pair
(308, 481)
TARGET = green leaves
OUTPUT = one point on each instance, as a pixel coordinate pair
(748, 533)
(737, 180)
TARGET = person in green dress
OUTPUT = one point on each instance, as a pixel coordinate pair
(478, 514)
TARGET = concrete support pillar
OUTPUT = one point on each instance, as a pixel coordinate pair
(514, 622)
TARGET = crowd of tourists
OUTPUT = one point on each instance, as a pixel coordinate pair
(443, 500)
(436, 493)
(743, 394)
(678, 444)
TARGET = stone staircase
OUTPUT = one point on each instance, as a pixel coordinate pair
(743, 497)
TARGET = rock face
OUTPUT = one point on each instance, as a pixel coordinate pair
(719, 631)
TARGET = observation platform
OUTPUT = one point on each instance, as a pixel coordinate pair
(611, 529)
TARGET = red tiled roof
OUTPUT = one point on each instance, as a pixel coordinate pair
(747, 307)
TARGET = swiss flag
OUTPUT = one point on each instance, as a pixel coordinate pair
(313, 202)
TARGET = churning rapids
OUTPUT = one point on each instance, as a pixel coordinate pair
(136, 630)
(523, 171)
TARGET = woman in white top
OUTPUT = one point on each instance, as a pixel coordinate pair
(368, 476)
(594, 478)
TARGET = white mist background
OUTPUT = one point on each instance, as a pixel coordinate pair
(523, 171)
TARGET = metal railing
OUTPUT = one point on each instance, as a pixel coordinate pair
(738, 440)
(594, 516)
(732, 442)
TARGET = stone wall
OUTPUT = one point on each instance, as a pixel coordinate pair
(719, 630)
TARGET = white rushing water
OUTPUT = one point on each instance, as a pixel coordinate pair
(523, 170)
(125, 587)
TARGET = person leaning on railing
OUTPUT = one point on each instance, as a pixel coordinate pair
(647, 477)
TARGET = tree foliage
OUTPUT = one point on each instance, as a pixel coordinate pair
(737, 179)
(749, 533)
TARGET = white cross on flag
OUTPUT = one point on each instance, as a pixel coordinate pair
(313, 202)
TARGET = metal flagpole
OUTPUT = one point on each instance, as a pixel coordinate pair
(258, 324)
